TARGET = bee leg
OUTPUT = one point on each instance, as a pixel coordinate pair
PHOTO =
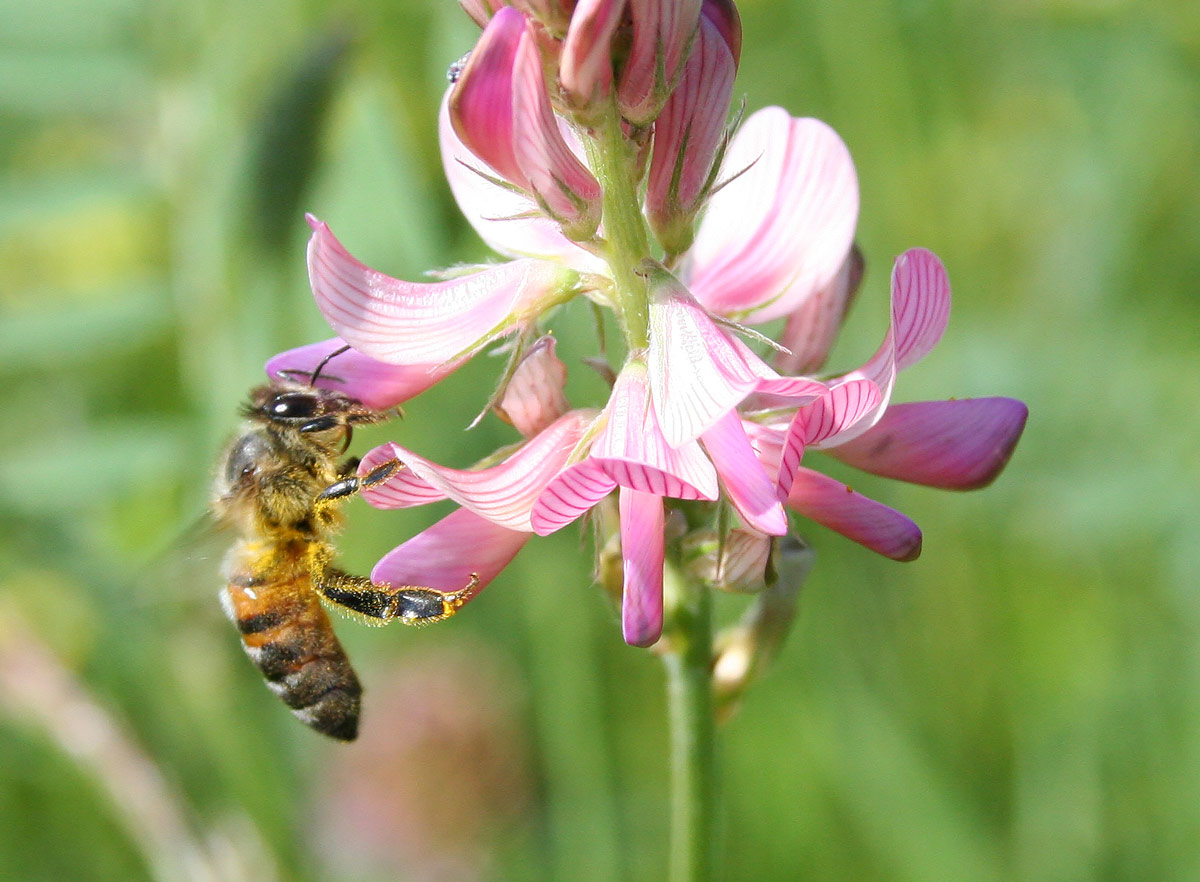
(410, 604)
(347, 487)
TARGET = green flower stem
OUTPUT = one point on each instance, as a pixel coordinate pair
(688, 660)
(627, 241)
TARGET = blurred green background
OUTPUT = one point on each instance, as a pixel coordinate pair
(1022, 703)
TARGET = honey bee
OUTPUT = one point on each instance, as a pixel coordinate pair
(280, 484)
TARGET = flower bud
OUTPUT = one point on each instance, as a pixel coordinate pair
(745, 650)
(533, 397)
(663, 31)
(739, 564)
(585, 71)
(690, 140)
(501, 111)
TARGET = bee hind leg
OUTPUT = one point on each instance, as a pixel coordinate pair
(380, 603)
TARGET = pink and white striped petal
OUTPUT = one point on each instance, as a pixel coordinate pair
(663, 31)
(745, 481)
(375, 383)
(403, 322)
(630, 451)
(697, 372)
(872, 524)
(835, 413)
(585, 70)
(561, 183)
(571, 494)
(445, 556)
(780, 230)
(504, 493)
(481, 101)
(642, 551)
(510, 223)
(920, 312)
(636, 453)
(961, 444)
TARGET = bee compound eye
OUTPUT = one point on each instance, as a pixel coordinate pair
(292, 406)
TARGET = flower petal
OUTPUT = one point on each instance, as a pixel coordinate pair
(697, 373)
(920, 311)
(779, 231)
(743, 478)
(564, 187)
(831, 503)
(642, 551)
(446, 555)
(635, 453)
(419, 323)
(481, 100)
(510, 223)
(533, 397)
(574, 491)
(504, 493)
(812, 328)
(839, 410)
(957, 445)
(376, 384)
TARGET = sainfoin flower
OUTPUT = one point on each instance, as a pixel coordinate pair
(731, 231)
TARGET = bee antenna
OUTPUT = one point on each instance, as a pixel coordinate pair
(316, 374)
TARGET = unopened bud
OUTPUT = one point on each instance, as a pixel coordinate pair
(740, 563)
(585, 71)
(663, 31)
(689, 141)
(743, 651)
(533, 397)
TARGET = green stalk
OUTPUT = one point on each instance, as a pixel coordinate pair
(688, 660)
(627, 241)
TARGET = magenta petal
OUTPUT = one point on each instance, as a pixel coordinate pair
(419, 323)
(881, 529)
(504, 493)
(563, 185)
(481, 102)
(920, 304)
(446, 555)
(642, 550)
(811, 330)
(375, 383)
(510, 223)
(780, 230)
(957, 445)
(746, 483)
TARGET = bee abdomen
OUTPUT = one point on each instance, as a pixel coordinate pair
(287, 635)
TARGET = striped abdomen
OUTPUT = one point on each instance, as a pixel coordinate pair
(287, 634)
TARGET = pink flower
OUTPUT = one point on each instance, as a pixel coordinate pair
(695, 413)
